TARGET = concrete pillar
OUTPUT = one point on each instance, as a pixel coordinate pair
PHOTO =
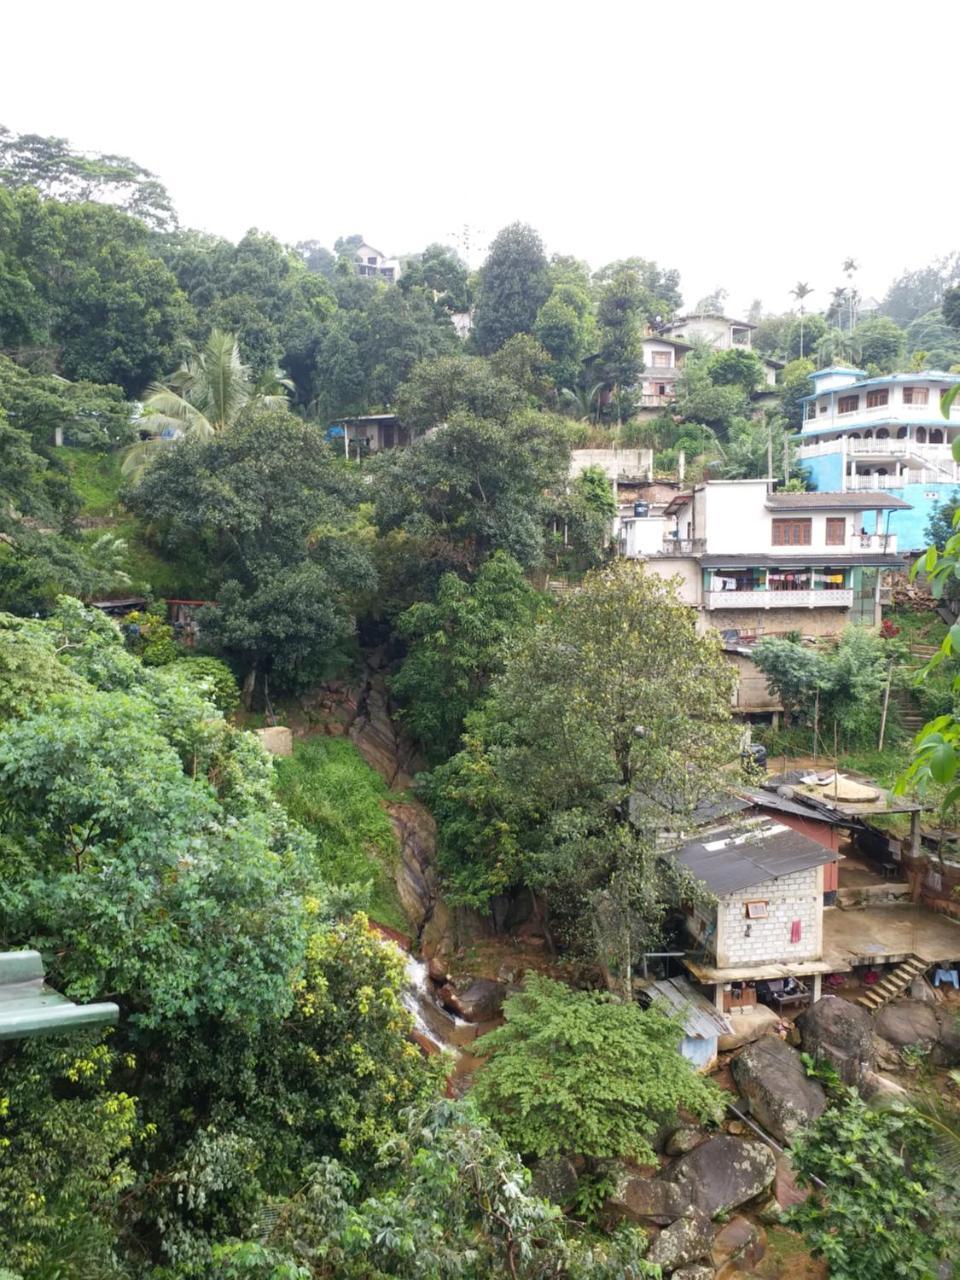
(817, 986)
(718, 996)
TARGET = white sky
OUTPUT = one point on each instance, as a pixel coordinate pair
(748, 144)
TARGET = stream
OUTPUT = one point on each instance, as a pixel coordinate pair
(436, 1028)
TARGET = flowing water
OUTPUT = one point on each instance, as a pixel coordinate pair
(433, 1023)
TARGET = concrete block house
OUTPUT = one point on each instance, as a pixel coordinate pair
(764, 919)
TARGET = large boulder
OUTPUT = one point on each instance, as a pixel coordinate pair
(771, 1076)
(635, 1198)
(738, 1241)
(680, 1141)
(908, 1022)
(724, 1173)
(685, 1240)
(949, 1047)
(842, 1034)
(554, 1178)
(482, 1000)
(748, 1024)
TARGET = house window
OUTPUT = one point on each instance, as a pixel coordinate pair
(936, 436)
(921, 435)
(902, 433)
(823, 406)
(811, 410)
(792, 533)
(883, 433)
(661, 388)
(915, 395)
(756, 910)
(848, 404)
(836, 531)
(661, 359)
(876, 398)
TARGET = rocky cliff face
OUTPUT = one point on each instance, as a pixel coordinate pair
(363, 713)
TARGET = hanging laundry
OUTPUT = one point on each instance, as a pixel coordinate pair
(795, 930)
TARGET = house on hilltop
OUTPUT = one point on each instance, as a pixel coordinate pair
(886, 433)
(371, 263)
(720, 332)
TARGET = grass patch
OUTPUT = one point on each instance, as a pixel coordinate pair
(328, 787)
(96, 478)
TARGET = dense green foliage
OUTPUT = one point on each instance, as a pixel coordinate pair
(576, 1071)
(455, 646)
(886, 1207)
(609, 722)
(840, 684)
(269, 502)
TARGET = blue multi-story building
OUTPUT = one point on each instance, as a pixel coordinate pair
(883, 433)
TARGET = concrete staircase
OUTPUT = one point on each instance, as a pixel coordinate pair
(894, 984)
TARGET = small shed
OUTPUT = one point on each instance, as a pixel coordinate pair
(28, 1007)
(703, 1024)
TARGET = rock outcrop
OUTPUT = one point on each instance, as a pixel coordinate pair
(482, 1000)
(555, 1179)
(724, 1173)
(908, 1022)
(738, 1241)
(638, 1198)
(842, 1034)
(771, 1076)
(686, 1240)
(682, 1140)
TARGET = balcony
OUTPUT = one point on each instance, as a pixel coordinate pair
(918, 476)
(684, 547)
(884, 448)
(657, 401)
(841, 598)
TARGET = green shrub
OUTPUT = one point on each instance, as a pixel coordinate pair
(150, 638)
(214, 678)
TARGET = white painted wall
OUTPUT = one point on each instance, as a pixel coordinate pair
(732, 516)
(687, 570)
(742, 943)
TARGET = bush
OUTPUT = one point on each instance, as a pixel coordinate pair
(214, 679)
(576, 1072)
(150, 638)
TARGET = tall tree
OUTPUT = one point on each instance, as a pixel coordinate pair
(801, 290)
(514, 283)
(610, 722)
(56, 169)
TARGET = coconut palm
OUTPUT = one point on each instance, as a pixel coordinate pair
(203, 397)
(800, 291)
(583, 402)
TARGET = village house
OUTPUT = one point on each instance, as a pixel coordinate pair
(662, 361)
(885, 433)
(371, 263)
(753, 562)
(720, 332)
(368, 433)
(764, 919)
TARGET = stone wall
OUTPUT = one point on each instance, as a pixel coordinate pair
(809, 622)
(741, 941)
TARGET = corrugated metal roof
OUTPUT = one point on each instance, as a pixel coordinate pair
(28, 1007)
(700, 1017)
(864, 500)
(798, 560)
(730, 859)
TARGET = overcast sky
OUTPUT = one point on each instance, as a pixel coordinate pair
(748, 144)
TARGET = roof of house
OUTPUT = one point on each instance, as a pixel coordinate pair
(862, 500)
(28, 1007)
(729, 859)
(708, 315)
(670, 342)
(881, 380)
(793, 557)
(700, 1018)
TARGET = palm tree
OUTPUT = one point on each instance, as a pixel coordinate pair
(837, 345)
(203, 397)
(583, 401)
(800, 291)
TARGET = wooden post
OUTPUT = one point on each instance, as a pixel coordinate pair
(886, 703)
(816, 723)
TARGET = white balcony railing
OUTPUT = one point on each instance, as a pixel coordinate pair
(836, 599)
(885, 448)
(684, 546)
(918, 476)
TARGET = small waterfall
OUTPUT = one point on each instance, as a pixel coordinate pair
(433, 1024)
